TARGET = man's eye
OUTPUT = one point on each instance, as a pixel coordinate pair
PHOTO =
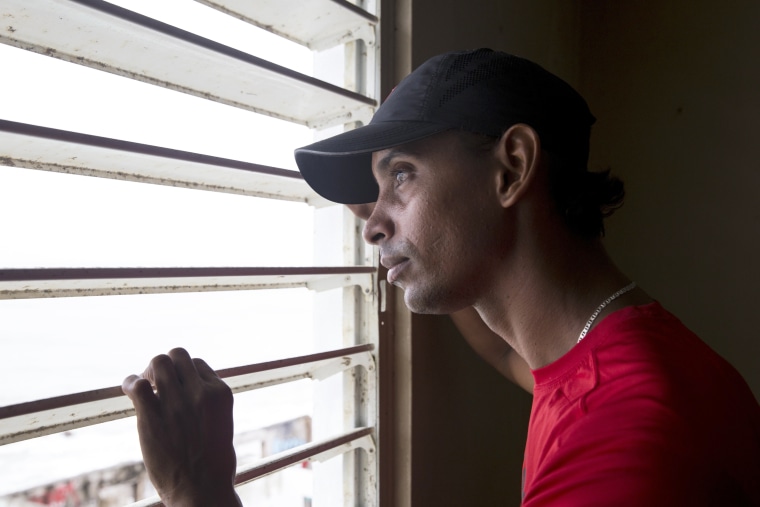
(400, 177)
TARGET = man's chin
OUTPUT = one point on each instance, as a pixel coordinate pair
(427, 305)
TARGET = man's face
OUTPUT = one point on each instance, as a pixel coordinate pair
(437, 221)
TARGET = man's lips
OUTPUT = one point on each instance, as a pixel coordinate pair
(395, 265)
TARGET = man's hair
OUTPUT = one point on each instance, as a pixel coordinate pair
(583, 198)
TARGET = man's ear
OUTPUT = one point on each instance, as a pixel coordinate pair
(519, 154)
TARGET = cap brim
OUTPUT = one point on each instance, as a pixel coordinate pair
(340, 168)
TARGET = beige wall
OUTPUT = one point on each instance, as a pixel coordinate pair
(675, 86)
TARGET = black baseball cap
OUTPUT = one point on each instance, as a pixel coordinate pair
(480, 91)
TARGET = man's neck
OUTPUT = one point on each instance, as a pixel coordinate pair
(541, 302)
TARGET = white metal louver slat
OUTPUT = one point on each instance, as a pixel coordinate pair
(34, 147)
(317, 24)
(75, 282)
(55, 415)
(141, 48)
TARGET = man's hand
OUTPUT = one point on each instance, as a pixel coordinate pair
(184, 418)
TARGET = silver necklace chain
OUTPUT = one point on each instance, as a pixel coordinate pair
(601, 307)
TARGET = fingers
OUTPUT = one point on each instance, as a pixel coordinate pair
(170, 374)
(163, 376)
(134, 387)
(205, 371)
(185, 368)
(140, 392)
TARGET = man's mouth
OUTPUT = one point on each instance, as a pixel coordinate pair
(395, 267)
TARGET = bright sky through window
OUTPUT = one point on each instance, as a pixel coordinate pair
(56, 346)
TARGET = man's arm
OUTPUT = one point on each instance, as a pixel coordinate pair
(492, 348)
(184, 419)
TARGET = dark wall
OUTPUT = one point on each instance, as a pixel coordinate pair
(676, 89)
(469, 423)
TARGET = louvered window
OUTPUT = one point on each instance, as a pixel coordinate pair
(149, 199)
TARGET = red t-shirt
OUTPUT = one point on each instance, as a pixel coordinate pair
(642, 413)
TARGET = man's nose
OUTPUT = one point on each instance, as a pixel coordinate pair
(379, 227)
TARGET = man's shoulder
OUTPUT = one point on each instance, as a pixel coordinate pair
(653, 366)
(652, 333)
(648, 340)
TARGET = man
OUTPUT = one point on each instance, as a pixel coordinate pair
(472, 179)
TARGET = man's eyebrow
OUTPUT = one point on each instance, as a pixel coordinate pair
(385, 162)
